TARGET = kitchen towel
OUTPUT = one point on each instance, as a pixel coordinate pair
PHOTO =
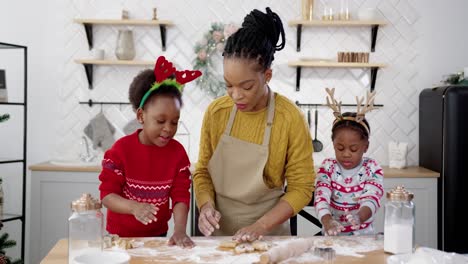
(397, 152)
(100, 131)
(131, 127)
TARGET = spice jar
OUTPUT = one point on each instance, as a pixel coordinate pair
(85, 227)
(399, 221)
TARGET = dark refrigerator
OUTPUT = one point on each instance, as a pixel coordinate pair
(443, 147)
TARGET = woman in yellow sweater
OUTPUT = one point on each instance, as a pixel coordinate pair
(253, 142)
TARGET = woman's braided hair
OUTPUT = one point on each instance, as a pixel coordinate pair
(257, 38)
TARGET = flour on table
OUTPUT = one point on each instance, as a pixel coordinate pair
(209, 251)
(204, 251)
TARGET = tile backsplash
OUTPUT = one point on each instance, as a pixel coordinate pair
(396, 121)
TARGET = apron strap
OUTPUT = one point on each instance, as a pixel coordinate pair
(227, 131)
(270, 116)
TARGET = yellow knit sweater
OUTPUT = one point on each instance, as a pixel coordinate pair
(290, 149)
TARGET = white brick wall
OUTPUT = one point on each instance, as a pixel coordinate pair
(395, 47)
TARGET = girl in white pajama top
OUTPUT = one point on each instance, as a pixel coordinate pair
(348, 188)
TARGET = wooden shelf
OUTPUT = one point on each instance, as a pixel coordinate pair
(123, 22)
(89, 63)
(116, 62)
(374, 67)
(334, 64)
(340, 23)
(88, 25)
(374, 24)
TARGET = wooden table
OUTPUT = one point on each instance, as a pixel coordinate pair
(59, 253)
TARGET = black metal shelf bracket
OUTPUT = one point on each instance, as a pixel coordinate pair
(163, 36)
(374, 30)
(298, 78)
(299, 36)
(373, 78)
(89, 34)
(89, 74)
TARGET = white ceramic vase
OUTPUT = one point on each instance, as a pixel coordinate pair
(125, 49)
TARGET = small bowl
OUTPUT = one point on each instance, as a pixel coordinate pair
(108, 257)
(369, 13)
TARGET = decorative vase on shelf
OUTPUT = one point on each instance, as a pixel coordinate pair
(307, 9)
(125, 49)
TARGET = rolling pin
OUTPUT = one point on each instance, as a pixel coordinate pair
(294, 248)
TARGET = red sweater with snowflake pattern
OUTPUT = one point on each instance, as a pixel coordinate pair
(147, 174)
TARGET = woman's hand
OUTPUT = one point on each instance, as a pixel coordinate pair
(250, 233)
(181, 239)
(145, 212)
(208, 219)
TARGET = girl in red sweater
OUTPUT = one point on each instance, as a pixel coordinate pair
(145, 176)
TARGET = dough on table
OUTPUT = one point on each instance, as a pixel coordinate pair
(123, 243)
(228, 244)
(244, 248)
(260, 245)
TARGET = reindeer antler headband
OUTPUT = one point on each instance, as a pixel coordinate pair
(361, 109)
(162, 71)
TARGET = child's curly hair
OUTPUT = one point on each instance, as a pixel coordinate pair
(143, 82)
(351, 125)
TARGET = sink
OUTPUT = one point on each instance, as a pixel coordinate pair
(75, 163)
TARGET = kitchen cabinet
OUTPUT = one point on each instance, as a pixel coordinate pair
(423, 183)
(53, 188)
(51, 195)
(14, 151)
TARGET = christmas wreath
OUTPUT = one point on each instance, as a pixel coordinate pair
(209, 58)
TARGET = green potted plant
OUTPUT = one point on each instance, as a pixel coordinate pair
(4, 117)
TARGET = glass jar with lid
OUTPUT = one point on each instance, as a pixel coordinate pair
(85, 227)
(399, 221)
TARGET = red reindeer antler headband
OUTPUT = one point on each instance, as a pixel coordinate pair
(162, 71)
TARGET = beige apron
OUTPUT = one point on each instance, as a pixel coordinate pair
(236, 169)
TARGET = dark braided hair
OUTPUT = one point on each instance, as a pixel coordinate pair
(351, 125)
(257, 38)
(143, 82)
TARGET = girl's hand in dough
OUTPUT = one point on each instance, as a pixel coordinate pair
(332, 227)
